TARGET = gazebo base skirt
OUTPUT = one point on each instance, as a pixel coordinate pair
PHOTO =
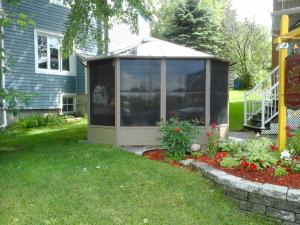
(139, 136)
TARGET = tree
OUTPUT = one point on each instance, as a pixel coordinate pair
(248, 46)
(91, 20)
(192, 25)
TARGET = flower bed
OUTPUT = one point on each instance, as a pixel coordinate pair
(292, 180)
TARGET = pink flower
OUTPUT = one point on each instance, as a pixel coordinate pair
(213, 125)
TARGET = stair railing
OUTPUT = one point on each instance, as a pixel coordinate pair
(261, 103)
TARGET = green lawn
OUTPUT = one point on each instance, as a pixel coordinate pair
(236, 110)
(48, 177)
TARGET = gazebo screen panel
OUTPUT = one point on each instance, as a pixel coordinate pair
(102, 93)
(186, 89)
(140, 92)
(219, 92)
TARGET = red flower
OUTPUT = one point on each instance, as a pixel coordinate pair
(213, 125)
(244, 163)
(273, 148)
(289, 135)
(177, 129)
(221, 155)
(288, 128)
(253, 167)
(209, 134)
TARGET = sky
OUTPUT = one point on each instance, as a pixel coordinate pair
(259, 10)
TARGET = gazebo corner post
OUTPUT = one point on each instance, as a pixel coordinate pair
(207, 97)
(283, 53)
(118, 102)
(163, 95)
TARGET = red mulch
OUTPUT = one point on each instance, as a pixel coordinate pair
(292, 180)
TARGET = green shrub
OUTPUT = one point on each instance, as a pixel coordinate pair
(234, 148)
(177, 137)
(213, 141)
(196, 154)
(230, 162)
(293, 143)
(280, 171)
(258, 151)
(37, 120)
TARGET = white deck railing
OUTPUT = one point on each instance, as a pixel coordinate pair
(261, 103)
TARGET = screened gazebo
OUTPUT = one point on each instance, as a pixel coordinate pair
(131, 91)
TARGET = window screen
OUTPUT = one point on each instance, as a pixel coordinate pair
(219, 92)
(186, 89)
(102, 93)
(140, 92)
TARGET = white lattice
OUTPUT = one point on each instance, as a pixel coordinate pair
(293, 121)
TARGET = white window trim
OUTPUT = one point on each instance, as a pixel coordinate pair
(57, 2)
(48, 71)
(75, 102)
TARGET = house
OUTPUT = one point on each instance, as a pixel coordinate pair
(131, 91)
(58, 85)
(261, 103)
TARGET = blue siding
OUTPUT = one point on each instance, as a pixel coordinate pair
(80, 77)
(20, 46)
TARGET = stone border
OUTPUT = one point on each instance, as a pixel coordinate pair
(279, 202)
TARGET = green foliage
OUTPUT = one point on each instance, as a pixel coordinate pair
(258, 151)
(210, 22)
(91, 20)
(280, 171)
(177, 137)
(37, 120)
(234, 148)
(213, 141)
(230, 162)
(248, 46)
(293, 143)
(296, 166)
(196, 154)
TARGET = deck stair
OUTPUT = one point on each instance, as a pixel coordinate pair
(261, 104)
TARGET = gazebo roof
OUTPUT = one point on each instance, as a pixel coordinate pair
(155, 48)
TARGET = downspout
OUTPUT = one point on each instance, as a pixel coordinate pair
(2, 75)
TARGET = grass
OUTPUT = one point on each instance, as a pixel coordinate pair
(236, 110)
(48, 177)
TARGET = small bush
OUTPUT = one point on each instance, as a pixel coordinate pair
(196, 154)
(177, 137)
(213, 142)
(230, 162)
(36, 121)
(280, 171)
(293, 141)
(258, 152)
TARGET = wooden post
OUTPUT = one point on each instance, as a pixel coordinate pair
(284, 29)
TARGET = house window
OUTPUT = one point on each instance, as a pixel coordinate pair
(68, 104)
(48, 55)
(61, 2)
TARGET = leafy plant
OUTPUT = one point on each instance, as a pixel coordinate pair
(280, 171)
(230, 162)
(293, 141)
(38, 120)
(258, 152)
(213, 141)
(196, 154)
(234, 148)
(177, 137)
(295, 166)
